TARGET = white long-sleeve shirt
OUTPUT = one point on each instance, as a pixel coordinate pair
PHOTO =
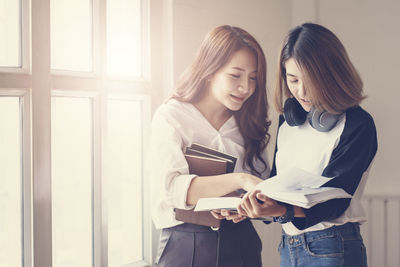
(175, 126)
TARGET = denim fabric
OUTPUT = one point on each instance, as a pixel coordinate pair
(336, 246)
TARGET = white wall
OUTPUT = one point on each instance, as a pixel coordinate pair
(371, 32)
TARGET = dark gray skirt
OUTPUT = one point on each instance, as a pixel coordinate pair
(190, 245)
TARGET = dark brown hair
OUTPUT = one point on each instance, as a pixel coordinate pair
(215, 51)
(328, 74)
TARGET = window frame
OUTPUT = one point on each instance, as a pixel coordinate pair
(35, 83)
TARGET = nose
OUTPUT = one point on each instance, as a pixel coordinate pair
(244, 86)
(301, 90)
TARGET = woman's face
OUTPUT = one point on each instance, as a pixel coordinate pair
(236, 81)
(295, 83)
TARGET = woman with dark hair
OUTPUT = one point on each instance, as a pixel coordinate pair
(323, 131)
(220, 102)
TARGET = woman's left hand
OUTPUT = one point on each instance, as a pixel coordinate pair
(256, 205)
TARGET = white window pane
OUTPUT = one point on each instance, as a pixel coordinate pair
(71, 35)
(124, 182)
(11, 199)
(10, 33)
(72, 214)
(124, 57)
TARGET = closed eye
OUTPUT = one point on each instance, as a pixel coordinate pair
(234, 75)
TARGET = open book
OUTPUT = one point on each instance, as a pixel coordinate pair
(300, 188)
(204, 161)
(296, 187)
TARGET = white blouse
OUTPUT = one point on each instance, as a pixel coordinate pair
(175, 126)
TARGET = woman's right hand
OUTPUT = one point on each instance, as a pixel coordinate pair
(249, 181)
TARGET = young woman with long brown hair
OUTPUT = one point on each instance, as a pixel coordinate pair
(323, 131)
(220, 102)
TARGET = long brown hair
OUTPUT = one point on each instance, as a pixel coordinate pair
(215, 51)
(330, 78)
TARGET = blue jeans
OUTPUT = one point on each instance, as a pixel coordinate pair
(333, 247)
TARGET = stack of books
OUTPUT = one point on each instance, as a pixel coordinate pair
(204, 161)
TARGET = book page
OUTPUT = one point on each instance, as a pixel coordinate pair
(300, 188)
(291, 180)
(308, 197)
(216, 203)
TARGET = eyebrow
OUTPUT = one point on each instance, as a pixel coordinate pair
(240, 69)
(292, 75)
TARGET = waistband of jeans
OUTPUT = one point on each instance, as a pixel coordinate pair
(349, 227)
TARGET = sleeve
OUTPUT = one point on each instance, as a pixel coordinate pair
(349, 160)
(166, 164)
(273, 169)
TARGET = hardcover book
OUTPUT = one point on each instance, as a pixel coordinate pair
(204, 161)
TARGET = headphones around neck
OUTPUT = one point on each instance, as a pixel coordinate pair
(295, 115)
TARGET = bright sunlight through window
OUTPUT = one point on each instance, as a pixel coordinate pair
(124, 49)
(71, 35)
(10, 33)
(125, 182)
(11, 208)
(72, 215)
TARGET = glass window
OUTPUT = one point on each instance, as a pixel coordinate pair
(71, 35)
(124, 48)
(10, 33)
(124, 160)
(72, 216)
(11, 198)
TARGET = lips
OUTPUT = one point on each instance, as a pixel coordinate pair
(306, 102)
(238, 98)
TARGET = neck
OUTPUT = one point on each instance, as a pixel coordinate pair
(216, 114)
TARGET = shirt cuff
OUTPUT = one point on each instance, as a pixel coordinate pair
(181, 186)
